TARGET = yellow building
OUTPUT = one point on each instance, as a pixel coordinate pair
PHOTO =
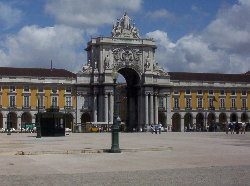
(205, 101)
(26, 91)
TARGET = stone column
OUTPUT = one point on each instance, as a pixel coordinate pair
(146, 109)
(156, 108)
(111, 107)
(106, 107)
(19, 122)
(4, 122)
(151, 100)
(165, 103)
(100, 108)
(168, 107)
(182, 124)
(95, 108)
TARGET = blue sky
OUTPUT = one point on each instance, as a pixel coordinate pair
(191, 35)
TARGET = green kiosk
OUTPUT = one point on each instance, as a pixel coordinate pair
(51, 122)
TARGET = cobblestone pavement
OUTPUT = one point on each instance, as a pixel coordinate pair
(146, 159)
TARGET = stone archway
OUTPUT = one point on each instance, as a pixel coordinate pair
(12, 120)
(133, 90)
(211, 121)
(85, 118)
(1, 120)
(233, 117)
(26, 119)
(244, 117)
(162, 119)
(222, 118)
(188, 122)
(134, 58)
(200, 122)
(176, 122)
(69, 121)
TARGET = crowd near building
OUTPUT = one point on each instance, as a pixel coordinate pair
(180, 101)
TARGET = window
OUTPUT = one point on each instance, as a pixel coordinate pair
(200, 102)
(54, 90)
(68, 100)
(0, 88)
(68, 89)
(26, 101)
(176, 92)
(176, 103)
(54, 101)
(12, 88)
(222, 103)
(222, 92)
(26, 89)
(188, 91)
(0, 100)
(12, 101)
(40, 89)
(199, 92)
(233, 103)
(244, 103)
(188, 102)
(233, 93)
(40, 101)
(161, 102)
(211, 102)
(211, 92)
(244, 92)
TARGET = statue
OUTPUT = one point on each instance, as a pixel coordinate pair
(107, 61)
(147, 64)
(135, 31)
(125, 20)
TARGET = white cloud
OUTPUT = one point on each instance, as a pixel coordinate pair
(9, 16)
(224, 46)
(85, 13)
(161, 14)
(35, 47)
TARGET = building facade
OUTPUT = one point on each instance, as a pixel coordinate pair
(180, 101)
(26, 91)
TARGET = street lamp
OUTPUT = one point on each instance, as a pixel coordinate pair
(116, 121)
(38, 125)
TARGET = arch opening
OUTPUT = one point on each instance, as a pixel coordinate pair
(12, 120)
(176, 122)
(128, 99)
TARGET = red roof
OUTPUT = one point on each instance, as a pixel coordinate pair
(35, 72)
(187, 76)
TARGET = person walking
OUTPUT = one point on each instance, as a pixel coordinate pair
(160, 126)
(152, 128)
(226, 127)
(156, 128)
(231, 127)
(243, 128)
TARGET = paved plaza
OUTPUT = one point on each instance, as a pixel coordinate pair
(146, 159)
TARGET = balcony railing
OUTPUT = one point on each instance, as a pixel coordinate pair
(222, 108)
(176, 108)
(200, 108)
(40, 107)
(233, 108)
(244, 108)
(161, 108)
(27, 107)
(211, 108)
(12, 107)
(188, 108)
(68, 107)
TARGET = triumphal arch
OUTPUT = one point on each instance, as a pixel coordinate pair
(148, 85)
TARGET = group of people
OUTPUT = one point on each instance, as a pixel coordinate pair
(155, 128)
(236, 127)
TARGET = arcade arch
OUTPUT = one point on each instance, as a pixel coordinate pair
(176, 122)
(85, 118)
(233, 117)
(188, 122)
(1, 120)
(12, 120)
(244, 117)
(200, 122)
